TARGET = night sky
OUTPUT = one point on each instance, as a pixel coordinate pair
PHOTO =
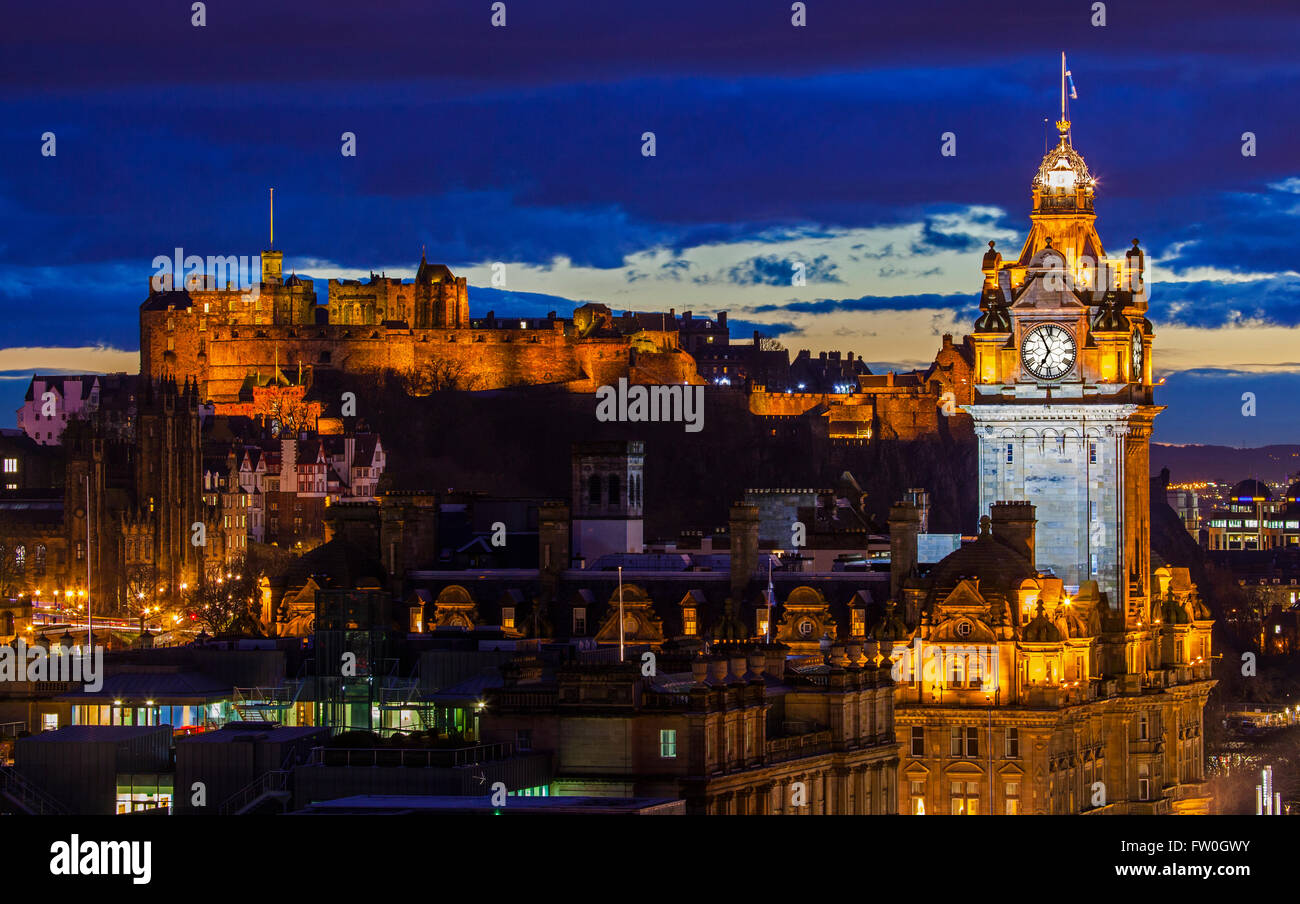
(522, 145)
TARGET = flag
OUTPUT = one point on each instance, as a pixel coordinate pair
(1073, 94)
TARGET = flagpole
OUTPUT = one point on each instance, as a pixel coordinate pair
(1062, 86)
(620, 613)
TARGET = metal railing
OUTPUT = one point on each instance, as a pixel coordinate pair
(31, 798)
(426, 758)
(273, 782)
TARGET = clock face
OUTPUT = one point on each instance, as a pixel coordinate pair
(1137, 357)
(1048, 351)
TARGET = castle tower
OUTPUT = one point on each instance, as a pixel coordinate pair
(1063, 404)
(608, 478)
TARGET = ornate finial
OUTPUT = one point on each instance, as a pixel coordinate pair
(990, 246)
(1049, 242)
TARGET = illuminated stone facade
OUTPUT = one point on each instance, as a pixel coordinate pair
(1046, 667)
(220, 337)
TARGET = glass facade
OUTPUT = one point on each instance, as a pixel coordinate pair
(146, 791)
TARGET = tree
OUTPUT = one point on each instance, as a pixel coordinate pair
(142, 581)
(223, 600)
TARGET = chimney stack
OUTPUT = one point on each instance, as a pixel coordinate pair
(904, 525)
(744, 548)
(1013, 525)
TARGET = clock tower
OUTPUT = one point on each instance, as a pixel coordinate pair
(1063, 405)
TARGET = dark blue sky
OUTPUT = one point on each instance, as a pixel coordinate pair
(522, 145)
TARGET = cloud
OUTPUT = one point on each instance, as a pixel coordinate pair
(773, 270)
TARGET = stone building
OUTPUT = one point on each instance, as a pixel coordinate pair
(1048, 667)
(219, 336)
(741, 733)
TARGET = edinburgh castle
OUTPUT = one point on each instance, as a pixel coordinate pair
(228, 340)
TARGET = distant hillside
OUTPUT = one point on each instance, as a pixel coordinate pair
(1224, 463)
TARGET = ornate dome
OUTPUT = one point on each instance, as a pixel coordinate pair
(1111, 317)
(995, 320)
(1063, 170)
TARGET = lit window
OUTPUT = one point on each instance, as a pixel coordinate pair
(11, 466)
(1013, 798)
(668, 743)
(689, 625)
(508, 618)
(580, 621)
(965, 798)
(918, 798)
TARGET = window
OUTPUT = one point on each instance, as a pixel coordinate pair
(1092, 453)
(81, 551)
(508, 618)
(523, 739)
(1013, 744)
(859, 622)
(964, 742)
(49, 721)
(1144, 782)
(688, 622)
(1012, 794)
(918, 741)
(11, 466)
(580, 621)
(1144, 728)
(593, 490)
(668, 743)
(1092, 510)
(613, 489)
(1010, 453)
(965, 798)
(918, 798)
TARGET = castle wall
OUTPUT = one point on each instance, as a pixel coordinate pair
(186, 343)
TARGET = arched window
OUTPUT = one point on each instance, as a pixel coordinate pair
(38, 562)
(593, 490)
(20, 560)
(614, 498)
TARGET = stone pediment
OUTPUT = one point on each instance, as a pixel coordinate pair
(965, 596)
(640, 624)
(963, 629)
(454, 607)
(806, 619)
